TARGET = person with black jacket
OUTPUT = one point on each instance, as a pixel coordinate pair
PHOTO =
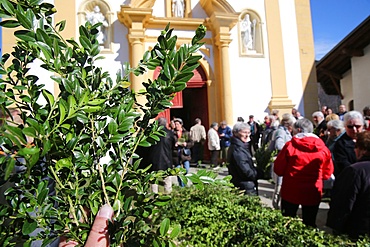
(241, 168)
(349, 211)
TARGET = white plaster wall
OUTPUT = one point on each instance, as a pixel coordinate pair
(196, 9)
(361, 80)
(250, 76)
(291, 52)
(347, 88)
(120, 53)
(159, 8)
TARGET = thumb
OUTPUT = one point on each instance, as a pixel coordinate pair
(99, 236)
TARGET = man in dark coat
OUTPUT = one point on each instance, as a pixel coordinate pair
(349, 211)
(159, 155)
(255, 134)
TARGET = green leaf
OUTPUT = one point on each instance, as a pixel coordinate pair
(175, 232)
(23, 20)
(48, 96)
(26, 151)
(28, 227)
(45, 50)
(61, 25)
(62, 111)
(16, 132)
(165, 226)
(85, 42)
(25, 35)
(63, 163)
(43, 36)
(111, 189)
(96, 102)
(9, 168)
(112, 127)
(91, 109)
(8, 7)
(43, 191)
(29, 131)
(10, 23)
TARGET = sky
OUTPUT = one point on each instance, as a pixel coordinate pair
(332, 20)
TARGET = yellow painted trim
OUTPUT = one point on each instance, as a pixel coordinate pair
(279, 98)
(307, 55)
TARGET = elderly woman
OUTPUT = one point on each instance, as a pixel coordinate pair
(335, 129)
(349, 207)
(344, 148)
(304, 163)
(241, 168)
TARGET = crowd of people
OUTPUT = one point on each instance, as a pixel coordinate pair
(326, 155)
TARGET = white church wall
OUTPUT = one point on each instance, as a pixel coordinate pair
(250, 76)
(347, 88)
(291, 52)
(361, 80)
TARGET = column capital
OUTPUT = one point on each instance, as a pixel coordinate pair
(134, 17)
(221, 24)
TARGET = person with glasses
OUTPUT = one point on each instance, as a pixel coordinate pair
(349, 211)
(344, 148)
(241, 168)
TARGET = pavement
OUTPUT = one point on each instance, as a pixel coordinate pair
(266, 189)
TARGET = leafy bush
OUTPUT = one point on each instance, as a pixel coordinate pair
(221, 216)
(264, 157)
(62, 178)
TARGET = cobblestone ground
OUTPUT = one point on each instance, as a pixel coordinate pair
(266, 189)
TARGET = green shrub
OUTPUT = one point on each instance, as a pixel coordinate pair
(62, 178)
(221, 216)
(264, 157)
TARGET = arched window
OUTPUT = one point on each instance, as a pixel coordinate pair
(95, 11)
(250, 33)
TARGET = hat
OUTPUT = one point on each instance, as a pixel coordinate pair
(178, 120)
(251, 116)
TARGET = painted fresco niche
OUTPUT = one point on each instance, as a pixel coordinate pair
(95, 11)
(178, 8)
(250, 34)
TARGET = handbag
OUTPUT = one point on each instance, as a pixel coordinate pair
(186, 152)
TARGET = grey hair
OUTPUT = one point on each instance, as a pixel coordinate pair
(304, 125)
(240, 126)
(287, 120)
(336, 124)
(197, 120)
(318, 114)
(162, 121)
(214, 124)
(353, 115)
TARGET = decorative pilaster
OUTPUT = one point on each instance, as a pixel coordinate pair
(221, 24)
(279, 98)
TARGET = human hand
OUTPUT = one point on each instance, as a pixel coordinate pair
(99, 236)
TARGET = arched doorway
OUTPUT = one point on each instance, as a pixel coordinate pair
(191, 103)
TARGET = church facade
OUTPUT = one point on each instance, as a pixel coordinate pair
(257, 56)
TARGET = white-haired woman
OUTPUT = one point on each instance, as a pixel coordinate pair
(344, 149)
(241, 168)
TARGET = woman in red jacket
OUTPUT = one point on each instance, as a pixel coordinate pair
(304, 163)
